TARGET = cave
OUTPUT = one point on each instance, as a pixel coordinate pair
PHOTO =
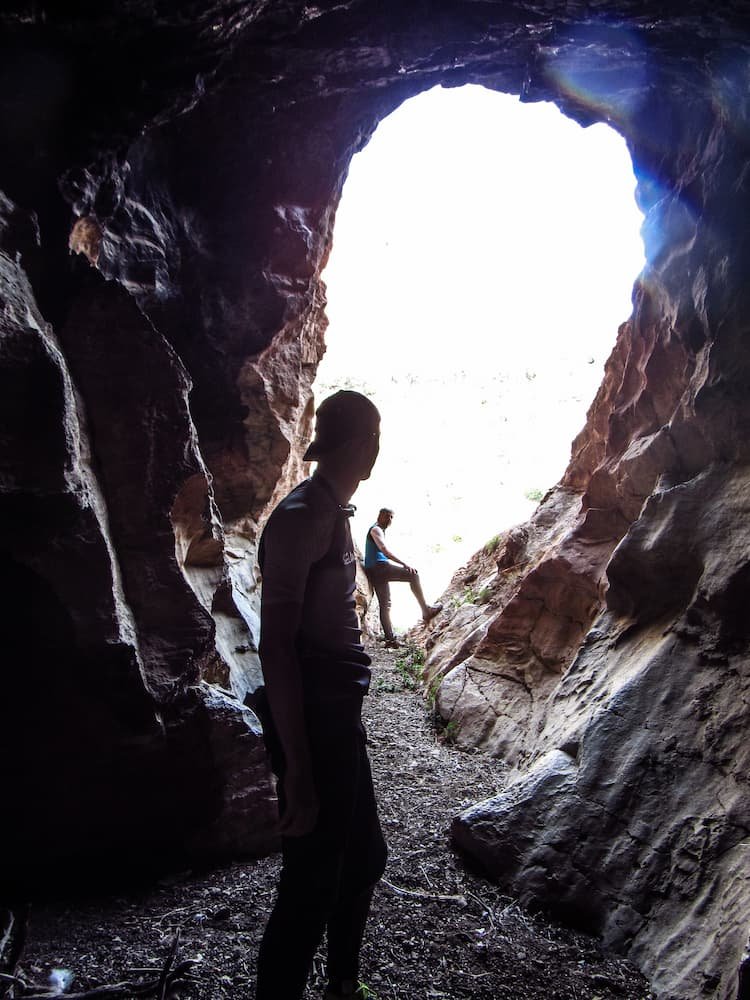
(167, 196)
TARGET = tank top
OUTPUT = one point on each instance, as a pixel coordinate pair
(373, 554)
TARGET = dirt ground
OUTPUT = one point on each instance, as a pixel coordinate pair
(437, 931)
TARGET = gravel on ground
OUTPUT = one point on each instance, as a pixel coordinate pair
(438, 931)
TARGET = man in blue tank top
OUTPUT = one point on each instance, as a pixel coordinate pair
(316, 674)
(383, 567)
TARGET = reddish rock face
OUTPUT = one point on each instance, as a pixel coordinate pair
(155, 391)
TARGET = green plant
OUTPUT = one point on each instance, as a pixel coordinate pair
(457, 538)
(450, 732)
(409, 678)
(491, 545)
(364, 991)
(416, 653)
(446, 730)
(469, 596)
(534, 495)
(409, 666)
(383, 685)
(433, 689)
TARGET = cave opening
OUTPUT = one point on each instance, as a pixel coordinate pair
(483, 257)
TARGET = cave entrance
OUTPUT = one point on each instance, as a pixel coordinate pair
(483, 258)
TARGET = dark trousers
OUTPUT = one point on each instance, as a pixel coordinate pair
(328, 875)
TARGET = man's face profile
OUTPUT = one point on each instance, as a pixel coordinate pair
(371, 450)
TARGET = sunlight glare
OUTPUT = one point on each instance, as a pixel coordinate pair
(484, 255)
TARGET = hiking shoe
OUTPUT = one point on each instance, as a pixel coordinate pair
(393, 643)
(431, 612)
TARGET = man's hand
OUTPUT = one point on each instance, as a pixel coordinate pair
(301, 811)
(409, 569)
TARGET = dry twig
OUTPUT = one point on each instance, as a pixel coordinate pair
(421, 894)
(158, 988)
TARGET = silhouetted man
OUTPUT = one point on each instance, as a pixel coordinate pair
(316, 675)
(383, 567)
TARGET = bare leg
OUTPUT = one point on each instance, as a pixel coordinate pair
(416, 589)
(428, 610)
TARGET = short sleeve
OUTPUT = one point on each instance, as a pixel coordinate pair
(293, 540)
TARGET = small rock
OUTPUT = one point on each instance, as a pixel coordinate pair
(61, 980)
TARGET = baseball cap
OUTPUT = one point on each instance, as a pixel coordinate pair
(344, 416)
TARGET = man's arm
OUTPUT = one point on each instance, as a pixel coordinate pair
(291, 545)
(378, 536)
(281, 671)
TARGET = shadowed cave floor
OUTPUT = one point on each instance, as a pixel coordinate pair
(437, 931)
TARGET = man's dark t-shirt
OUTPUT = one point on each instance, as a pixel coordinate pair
(307, 558)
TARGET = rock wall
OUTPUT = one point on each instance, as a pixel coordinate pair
(156, 386)
(109, 743)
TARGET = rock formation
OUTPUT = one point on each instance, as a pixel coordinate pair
(169, 185)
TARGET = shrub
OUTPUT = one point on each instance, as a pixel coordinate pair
(491, 545)
(469, 596)
(409, 666)
(432, 690)
(446, 730)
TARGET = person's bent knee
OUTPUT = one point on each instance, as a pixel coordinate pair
(372, 868)
(379, 864)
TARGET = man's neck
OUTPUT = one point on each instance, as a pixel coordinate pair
(343, 487)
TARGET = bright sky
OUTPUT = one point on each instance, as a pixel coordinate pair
(484, 255)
